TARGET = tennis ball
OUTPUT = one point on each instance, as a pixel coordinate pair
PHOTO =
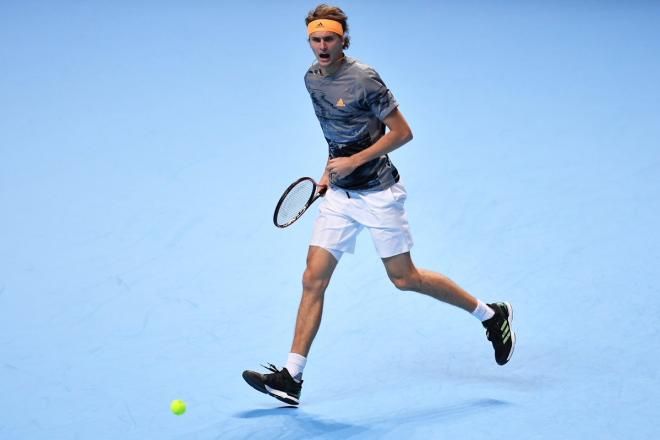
(178, 407)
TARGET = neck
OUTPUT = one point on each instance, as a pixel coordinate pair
(332, 68)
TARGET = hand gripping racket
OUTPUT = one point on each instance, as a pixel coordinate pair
(296, 199)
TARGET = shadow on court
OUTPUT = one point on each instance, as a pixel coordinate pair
(446, 412)
(295, 422)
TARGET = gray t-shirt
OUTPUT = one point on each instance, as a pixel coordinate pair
(351, 105)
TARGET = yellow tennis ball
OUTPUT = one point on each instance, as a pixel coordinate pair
(178, 407)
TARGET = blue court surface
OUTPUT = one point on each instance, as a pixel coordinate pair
(143, 146)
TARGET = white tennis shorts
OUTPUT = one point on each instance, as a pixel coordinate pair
(343, 214)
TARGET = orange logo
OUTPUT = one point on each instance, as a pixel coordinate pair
(340, 103)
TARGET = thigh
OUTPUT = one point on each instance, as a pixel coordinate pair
(399, 266)
(320, 262)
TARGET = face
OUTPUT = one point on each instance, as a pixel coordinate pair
(327, 47)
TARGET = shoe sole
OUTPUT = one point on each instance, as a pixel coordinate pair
(509, 318)
(259, 386)
(281, 396)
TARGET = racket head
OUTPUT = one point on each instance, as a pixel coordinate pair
(294, 201)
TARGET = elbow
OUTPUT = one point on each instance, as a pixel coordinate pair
(407, 136)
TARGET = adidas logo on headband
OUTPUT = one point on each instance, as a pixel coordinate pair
(325, 25)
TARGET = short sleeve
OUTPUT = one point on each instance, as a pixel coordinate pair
(377, 97)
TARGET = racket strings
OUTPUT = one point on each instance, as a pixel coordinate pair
(295, 201)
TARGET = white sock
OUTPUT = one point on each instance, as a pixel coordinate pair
(296, 364)
(483, 312)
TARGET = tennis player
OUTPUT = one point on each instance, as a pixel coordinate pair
(354, 107)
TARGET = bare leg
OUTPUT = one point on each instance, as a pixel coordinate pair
(320, 265)
(406, 276)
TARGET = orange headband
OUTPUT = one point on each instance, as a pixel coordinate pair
(325, 26)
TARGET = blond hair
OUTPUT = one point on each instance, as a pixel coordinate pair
(328, 12)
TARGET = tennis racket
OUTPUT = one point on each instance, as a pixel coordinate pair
(296, 199)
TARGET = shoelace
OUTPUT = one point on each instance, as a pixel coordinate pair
(278, 380)
(271, 367)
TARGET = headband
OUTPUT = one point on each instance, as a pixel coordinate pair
(325, 26)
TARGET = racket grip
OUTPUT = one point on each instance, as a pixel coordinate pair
(322, 190)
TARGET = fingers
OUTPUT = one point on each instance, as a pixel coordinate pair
(340, 167)
(334, 166)
(331, 166)
(331, 169)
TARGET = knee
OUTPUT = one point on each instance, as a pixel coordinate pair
(314, 282)
(406, 283)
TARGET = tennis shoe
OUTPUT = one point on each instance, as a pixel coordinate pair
(499, 332)
(278, 384)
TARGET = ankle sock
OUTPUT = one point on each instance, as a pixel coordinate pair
(296, 364)
(483, 312)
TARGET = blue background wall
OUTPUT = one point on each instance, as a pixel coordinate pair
(143, 146)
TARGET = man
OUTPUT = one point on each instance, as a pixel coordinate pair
(354, 106)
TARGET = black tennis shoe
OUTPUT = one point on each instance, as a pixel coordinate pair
(499, 332)
(278, 384)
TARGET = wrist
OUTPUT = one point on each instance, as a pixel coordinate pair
(358, 159)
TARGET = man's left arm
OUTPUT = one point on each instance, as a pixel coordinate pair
(399, 133)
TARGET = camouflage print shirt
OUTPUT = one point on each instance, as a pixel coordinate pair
(351, 105)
